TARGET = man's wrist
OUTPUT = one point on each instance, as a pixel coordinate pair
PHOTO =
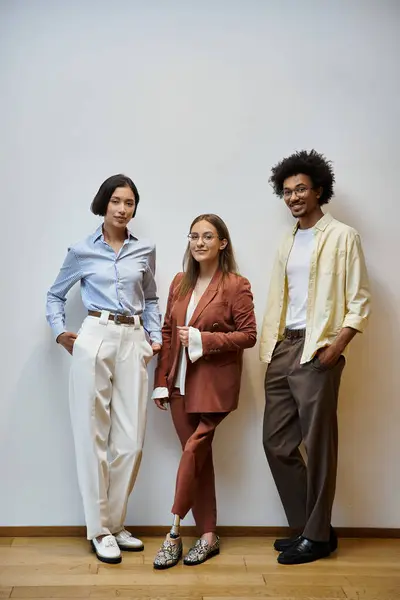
(338, 346)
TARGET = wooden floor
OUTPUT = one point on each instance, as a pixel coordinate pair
(64, 568)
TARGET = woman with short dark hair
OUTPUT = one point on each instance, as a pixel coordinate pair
(108, 380)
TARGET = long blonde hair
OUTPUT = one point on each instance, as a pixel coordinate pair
(226, 259)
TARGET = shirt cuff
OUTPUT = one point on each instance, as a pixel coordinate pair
(355, 322)
(58, 330)
(160, 392)
(155, 337)
(195, 349)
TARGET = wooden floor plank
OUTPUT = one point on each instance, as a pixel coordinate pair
(147, 591)
(13, 573)
(61, 568)
(51, 591)
(372, 593)
(47, 557)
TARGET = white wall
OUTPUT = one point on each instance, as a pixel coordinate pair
(195, 101)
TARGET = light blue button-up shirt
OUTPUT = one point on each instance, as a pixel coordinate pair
(121, 283)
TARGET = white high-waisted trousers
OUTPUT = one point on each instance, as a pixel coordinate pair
(108, 398)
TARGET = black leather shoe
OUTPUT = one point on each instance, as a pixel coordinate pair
(333, 540)
(304, 551)
(285, 543)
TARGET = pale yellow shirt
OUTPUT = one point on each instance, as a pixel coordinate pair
(338, 289)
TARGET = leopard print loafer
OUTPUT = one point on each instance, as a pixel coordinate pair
(201, 552)
(168, 555)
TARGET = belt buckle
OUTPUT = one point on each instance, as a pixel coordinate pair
(116, 319)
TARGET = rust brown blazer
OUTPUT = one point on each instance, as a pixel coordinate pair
(225, 317)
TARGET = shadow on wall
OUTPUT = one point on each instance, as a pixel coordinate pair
(367, 409)
(242, 472)
(367, 420)
(43, 448)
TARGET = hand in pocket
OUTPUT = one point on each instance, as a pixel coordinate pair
(328, 356)
(67, 340)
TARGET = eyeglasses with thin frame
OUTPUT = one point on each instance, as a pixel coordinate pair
(207, 238)
(299, 192)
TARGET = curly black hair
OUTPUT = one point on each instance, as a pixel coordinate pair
(313, 164)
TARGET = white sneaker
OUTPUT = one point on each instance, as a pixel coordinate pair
(107, 549)
(126, 541)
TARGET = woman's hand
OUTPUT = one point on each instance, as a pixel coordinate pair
(156, 348)
(183, 333)
(161, 402)
(67, 340)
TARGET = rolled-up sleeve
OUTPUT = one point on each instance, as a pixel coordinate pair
(358, 297)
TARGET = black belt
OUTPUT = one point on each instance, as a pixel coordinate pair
(118, 319)
(294, 334)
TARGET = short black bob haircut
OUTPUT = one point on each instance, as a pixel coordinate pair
(106, 190)
(313, 164)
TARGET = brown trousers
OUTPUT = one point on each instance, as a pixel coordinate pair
(195, 483)
(301, 405)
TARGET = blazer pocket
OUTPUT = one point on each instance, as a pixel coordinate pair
(224, 359)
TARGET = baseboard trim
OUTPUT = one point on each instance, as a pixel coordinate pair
(223, 531)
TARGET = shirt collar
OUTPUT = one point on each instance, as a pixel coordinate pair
(98, 234)
(322, 224)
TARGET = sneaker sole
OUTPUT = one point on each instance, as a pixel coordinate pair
(105, 559)
(130, 549)
(201, 562)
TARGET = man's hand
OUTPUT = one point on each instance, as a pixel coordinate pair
(67, 340)
(156, 348)
(183, 333)
(161, 402)
(329, 356)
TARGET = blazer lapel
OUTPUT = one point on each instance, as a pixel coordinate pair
(206, 298)
(181, 308)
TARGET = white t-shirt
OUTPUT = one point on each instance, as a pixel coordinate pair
(298, 274)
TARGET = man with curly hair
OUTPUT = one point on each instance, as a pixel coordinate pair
(318, 300)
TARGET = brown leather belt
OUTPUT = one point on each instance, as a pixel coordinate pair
(118, 319)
